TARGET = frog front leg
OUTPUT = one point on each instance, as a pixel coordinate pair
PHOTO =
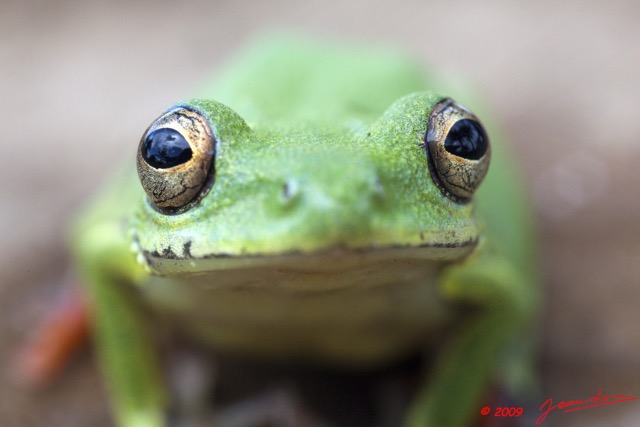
(504, 304)
(125, 348)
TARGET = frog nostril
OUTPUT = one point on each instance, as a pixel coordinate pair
(290, 190)
(377, 186)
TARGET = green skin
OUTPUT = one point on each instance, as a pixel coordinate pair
(323, 220)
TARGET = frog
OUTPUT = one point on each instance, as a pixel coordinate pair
(322, 204)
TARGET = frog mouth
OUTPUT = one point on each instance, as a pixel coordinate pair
(171, 262)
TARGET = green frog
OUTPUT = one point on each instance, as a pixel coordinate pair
(320, 205)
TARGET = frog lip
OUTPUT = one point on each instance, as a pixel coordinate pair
(168, 261)
(345, 249)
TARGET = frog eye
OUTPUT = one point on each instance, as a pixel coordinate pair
(175, 158)
(458, 150)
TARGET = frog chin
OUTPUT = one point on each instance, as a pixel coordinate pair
(332, 259)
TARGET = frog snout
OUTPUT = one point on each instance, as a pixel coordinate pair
(329, 194)
(345, 197)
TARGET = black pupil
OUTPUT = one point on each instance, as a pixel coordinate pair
(165, 148)
(466, 139)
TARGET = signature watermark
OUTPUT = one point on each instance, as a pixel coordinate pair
(548, 406)
(578, 405)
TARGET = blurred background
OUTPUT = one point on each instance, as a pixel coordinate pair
(80, 81)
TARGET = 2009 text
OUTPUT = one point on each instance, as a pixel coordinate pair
(503, 411)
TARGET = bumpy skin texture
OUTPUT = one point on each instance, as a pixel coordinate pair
(321, 201)
(388, 199)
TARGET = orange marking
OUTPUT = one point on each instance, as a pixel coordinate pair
(61, 334)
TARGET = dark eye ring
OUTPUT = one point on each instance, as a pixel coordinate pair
(175, 158)
(458, 149)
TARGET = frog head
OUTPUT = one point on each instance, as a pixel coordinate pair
(220, 188)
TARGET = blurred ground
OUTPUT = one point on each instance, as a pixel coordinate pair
(80, 81)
